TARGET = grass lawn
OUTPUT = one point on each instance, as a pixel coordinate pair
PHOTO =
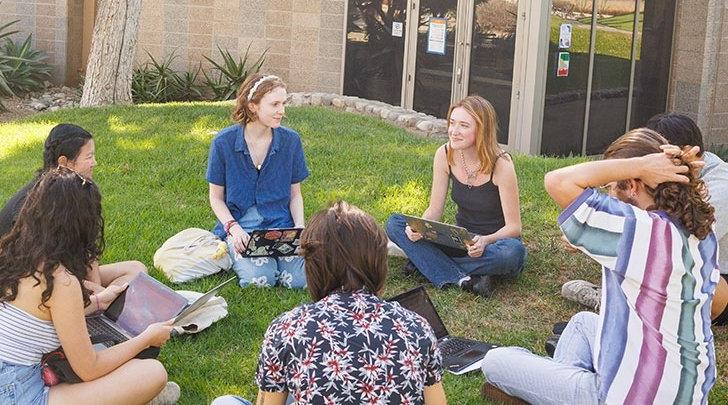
(152, 161)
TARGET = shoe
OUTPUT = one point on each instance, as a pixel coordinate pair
(479, 285)
(551, 343)
(495, 395)
(168, 396)
(409, 268)
(559, 328)
(582, 292)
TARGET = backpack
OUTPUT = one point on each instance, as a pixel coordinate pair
(190, 254)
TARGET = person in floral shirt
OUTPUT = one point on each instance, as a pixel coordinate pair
(349, 346)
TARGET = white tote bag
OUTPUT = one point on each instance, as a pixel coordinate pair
(191, 254)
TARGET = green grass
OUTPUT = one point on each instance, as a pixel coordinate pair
(152, 161)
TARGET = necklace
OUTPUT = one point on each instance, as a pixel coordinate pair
(470, 175)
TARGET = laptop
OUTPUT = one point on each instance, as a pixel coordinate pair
(459, 355)
(273, 242)
(452, 236)
(144, 302)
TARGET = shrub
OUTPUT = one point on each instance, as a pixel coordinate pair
(719, 149)
(231, 73)
(156, 82)
(22, 69)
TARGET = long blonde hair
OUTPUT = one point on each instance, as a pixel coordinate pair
(486, 128)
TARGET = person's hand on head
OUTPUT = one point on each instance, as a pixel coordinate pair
(240, 238)
(658, 168)
(478, 247)
(412, 235)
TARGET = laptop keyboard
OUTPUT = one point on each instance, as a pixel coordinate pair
(97, 327)
(454, 345)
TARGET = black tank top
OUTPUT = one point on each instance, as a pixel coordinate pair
(479, 207)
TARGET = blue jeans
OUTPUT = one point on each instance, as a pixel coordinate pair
(568, 378)
(287, 271)
(236, 400)
(21, 385)
(504, 257)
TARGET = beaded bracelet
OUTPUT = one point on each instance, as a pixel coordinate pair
(229, 224)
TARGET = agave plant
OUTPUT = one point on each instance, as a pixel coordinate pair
(231, 73)
(5, 90)
(25, 68)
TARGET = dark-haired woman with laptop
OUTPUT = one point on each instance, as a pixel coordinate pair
(255, 170)
(349, 346)
(44, 260)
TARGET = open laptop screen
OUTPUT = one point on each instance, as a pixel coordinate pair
(145, 302)
(418, 301)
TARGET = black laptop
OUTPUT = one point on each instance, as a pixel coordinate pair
(457, 353)
(276, 242)
(144, 302)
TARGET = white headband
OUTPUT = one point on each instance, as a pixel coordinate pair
(257, 83)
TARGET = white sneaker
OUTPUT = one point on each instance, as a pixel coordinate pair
(168, 396)
(582, 292)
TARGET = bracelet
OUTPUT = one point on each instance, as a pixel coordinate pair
(229, 224)
(98, 307)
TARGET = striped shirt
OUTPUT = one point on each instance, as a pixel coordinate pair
(24, 339)
(654, 343)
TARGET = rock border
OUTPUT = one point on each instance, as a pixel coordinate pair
(417, 122)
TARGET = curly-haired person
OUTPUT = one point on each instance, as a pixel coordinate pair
(651, 341)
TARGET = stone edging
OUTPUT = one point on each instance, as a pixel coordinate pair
(420, 123)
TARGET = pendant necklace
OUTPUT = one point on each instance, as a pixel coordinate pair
(470, 175)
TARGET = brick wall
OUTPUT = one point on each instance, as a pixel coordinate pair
(699, 81)
(304, 38)
(46, 20)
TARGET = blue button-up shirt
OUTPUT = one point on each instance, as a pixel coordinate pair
(230, 165)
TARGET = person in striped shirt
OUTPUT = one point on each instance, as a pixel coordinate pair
(652, 233)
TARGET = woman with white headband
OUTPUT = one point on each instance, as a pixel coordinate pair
(255, 170)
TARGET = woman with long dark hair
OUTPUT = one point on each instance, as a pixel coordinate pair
(44, 260)
(651, 342)
(73, 147)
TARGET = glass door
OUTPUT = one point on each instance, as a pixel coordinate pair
(489, 54)
(432, 61)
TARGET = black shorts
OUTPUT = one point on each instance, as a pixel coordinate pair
(722, 319)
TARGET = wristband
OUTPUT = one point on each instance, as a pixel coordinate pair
(98, 307)
(229, 224)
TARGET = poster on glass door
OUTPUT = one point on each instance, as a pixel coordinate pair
(436, 36)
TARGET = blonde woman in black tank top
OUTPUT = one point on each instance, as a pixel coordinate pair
(485, 191)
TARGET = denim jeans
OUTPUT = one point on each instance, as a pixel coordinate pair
(287, 271)
(504, 257)
(568, 378)
(236, 400)
(21, 385)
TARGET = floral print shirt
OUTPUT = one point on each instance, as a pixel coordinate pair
(350, 348)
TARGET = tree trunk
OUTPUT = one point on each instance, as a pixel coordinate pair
(111, 59)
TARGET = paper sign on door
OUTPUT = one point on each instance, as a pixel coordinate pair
(563, 67)
(436, 36)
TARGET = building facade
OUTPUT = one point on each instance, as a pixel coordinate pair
(565, 76)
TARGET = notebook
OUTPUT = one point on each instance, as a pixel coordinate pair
(273, 242)
(144, 302)
(459, 355)
(443, 234)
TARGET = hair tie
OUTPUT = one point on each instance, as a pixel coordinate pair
(257, 83)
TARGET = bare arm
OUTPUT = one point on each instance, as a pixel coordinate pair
(566, 184)
(296, 206)
(440, 184)
(67, 313)
(222, 212)
(435, 394)
(271, 398)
